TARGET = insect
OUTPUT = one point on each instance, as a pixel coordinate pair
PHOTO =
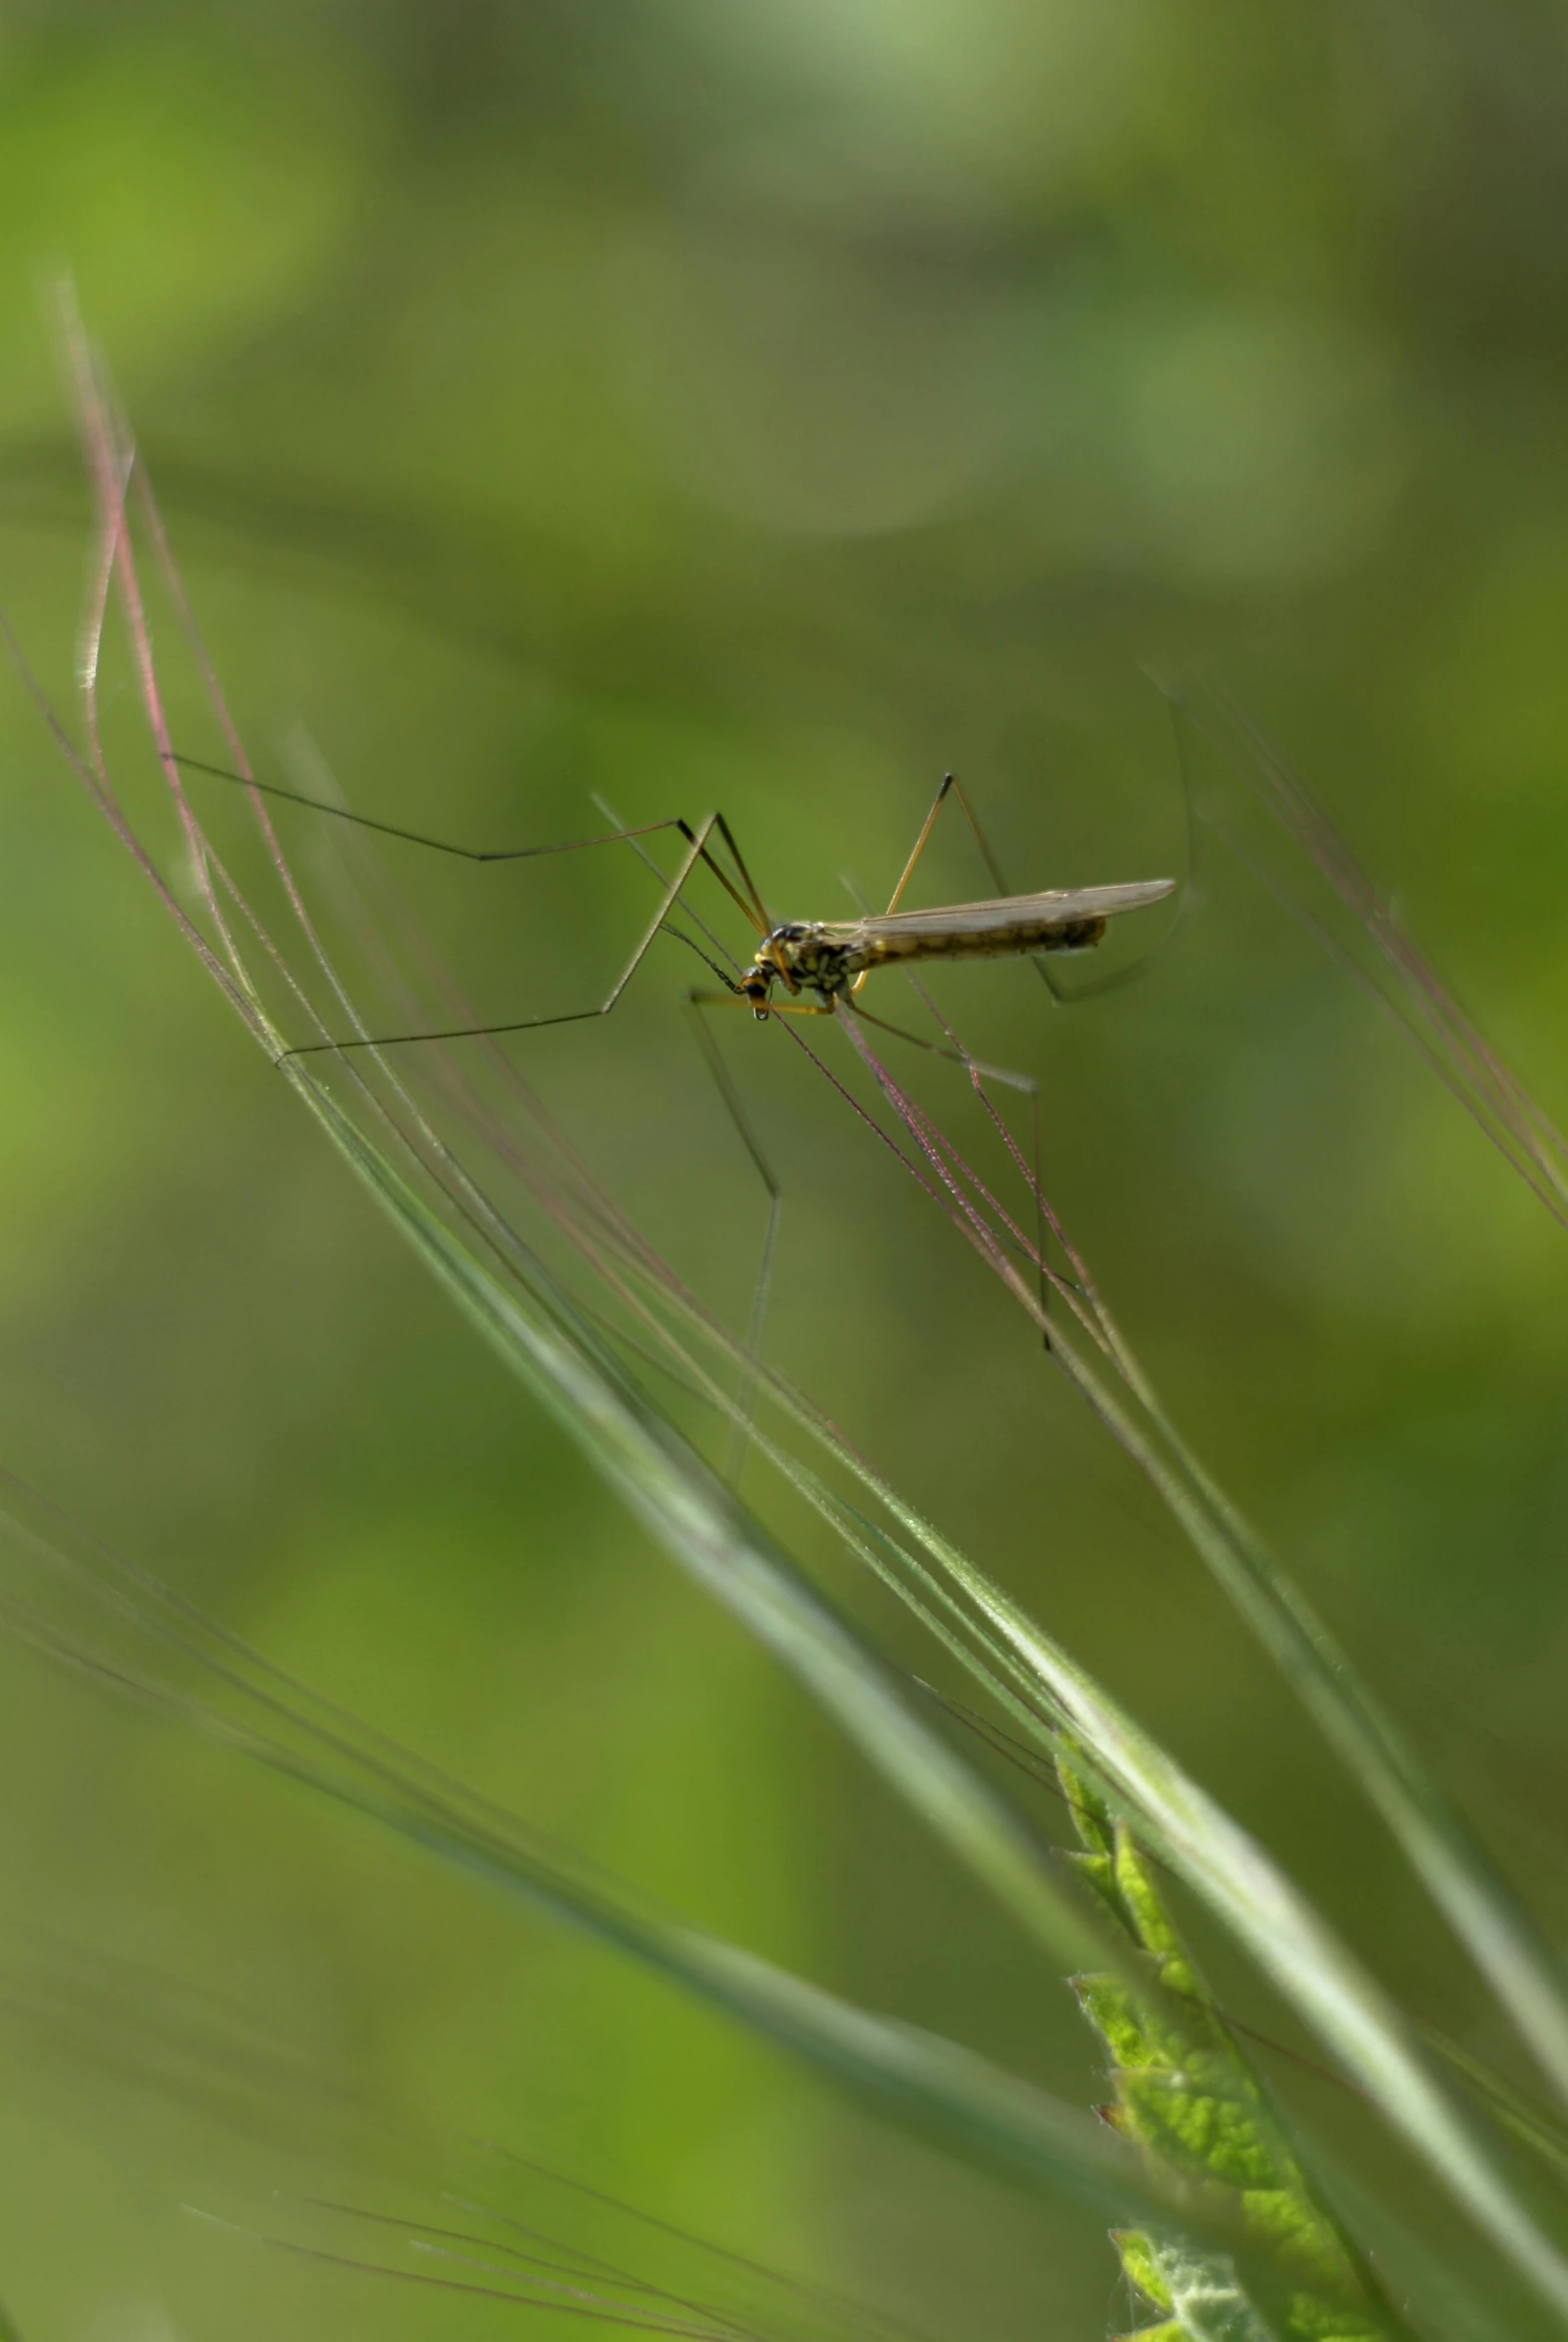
(831, 959)
(834, 957)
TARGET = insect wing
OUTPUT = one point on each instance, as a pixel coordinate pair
(1062, 908)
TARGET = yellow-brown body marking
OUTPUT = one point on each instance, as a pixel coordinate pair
(834, 957)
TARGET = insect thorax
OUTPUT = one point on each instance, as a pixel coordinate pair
(814, 958)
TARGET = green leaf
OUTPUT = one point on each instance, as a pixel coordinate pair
(1139, 2266)
(1187, 2099)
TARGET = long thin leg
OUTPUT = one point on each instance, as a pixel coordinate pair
(725, 999)
(1042, 1233)
(1022, 1082)
(1114, 978)
(757, 913)
(949, 782)
(954, 1056)
(390, 829)
(952, 787)
(746, 1395)
(696, 851)
(696, 1004)
(749, 902)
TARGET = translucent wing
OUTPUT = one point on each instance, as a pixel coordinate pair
(1064, 908)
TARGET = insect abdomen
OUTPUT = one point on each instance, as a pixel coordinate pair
(1080, 936)
(994, 942)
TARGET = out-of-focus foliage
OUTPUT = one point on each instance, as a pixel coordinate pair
(768, 407)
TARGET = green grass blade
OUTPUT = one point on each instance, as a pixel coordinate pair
(1479, 1904)
(698, 1523)
(1482, 1909)
(1516, 2113)
(1062, 1709)
(1484, 1913)
(959, 2100)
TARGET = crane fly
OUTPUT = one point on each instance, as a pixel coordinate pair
(830, 958)
(833, 958)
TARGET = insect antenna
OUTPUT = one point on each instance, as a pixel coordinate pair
(679, 936)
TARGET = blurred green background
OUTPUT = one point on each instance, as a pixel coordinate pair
(772, 408)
